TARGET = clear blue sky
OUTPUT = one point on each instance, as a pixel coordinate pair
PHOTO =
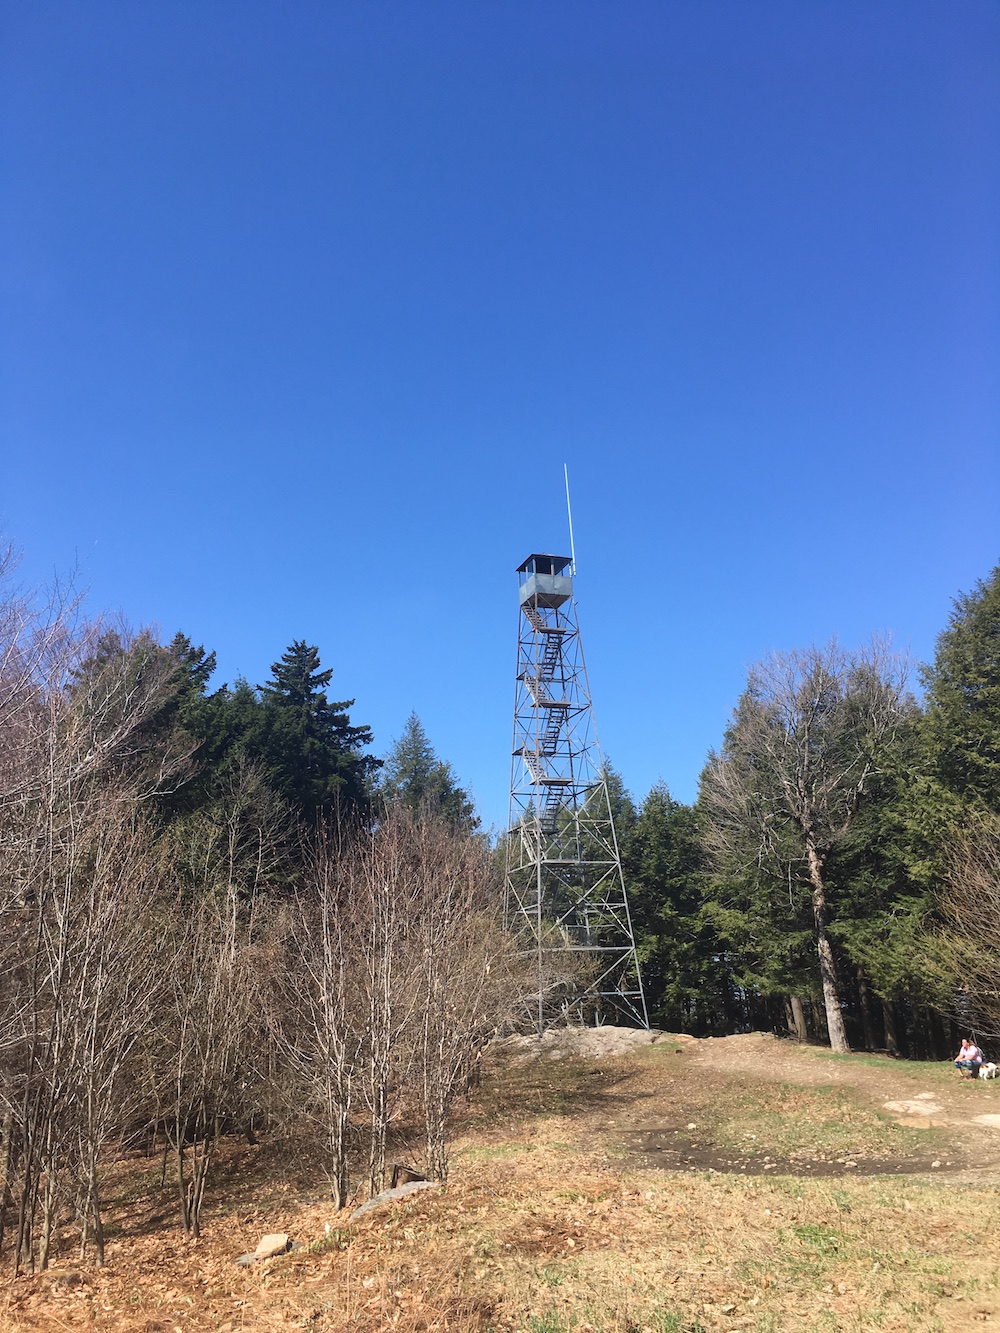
(304, 306)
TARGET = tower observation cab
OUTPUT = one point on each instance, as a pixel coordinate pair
(564, 889)
(545, 581)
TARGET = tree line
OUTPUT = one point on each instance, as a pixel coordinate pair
(838, 876)
(221, 914)
(216, 919)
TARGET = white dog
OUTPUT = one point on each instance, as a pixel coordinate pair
(989, 1070)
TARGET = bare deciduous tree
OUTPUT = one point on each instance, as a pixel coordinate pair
(318, 1014)
(465, 977)
(807, 738)
(205, 1069)
(74, 865)
(166, 975)
(383, 894)
(398, 976)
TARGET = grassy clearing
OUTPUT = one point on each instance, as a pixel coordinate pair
(824, 1123)
(727, 1252)
(915, 1071)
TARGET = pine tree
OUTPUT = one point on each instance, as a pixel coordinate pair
(127, 696)
(952, 808)
(195, 667)
(678, 946)
(311, 750)
(963, 698)
(415, 777)
(886, 895)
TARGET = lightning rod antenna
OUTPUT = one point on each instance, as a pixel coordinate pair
(569, 515)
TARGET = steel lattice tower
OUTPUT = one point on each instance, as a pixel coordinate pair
(565, 893)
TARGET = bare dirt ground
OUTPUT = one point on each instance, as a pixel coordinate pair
(916, 1095)
(754, 1075)
(599, 1181)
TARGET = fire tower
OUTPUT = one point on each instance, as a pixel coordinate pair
(564, 887)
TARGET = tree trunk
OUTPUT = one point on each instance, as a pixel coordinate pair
(731, 1006)
(864, 996)
(338, 1156)
(6, 1192)
(180, 1179)
(827, 962)
(889, 1023)
(940, 1044)
(202, 1153)
(798, 1018)
(378, 1128)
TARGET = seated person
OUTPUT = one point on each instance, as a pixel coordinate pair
(968, 1059)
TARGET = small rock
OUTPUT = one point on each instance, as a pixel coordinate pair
(935, 1164)
(390, 1196)
(275, 1243)
(916, 1106)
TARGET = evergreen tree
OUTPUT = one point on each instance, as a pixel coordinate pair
(183, 719)
(416, 778)
(312, 752)
(956, 795)
(126, 715)
(231, 729)
(765, 939)
(195, 669)
(963, 698)
(886, 901)
(620, 805)
(679, 949)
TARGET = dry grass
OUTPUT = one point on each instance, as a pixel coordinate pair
(546, 1226)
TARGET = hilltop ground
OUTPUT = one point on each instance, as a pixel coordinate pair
(599, 1181)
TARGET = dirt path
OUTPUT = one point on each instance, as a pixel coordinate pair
(964, 1113)
(753, 1104)
(922, 1096)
